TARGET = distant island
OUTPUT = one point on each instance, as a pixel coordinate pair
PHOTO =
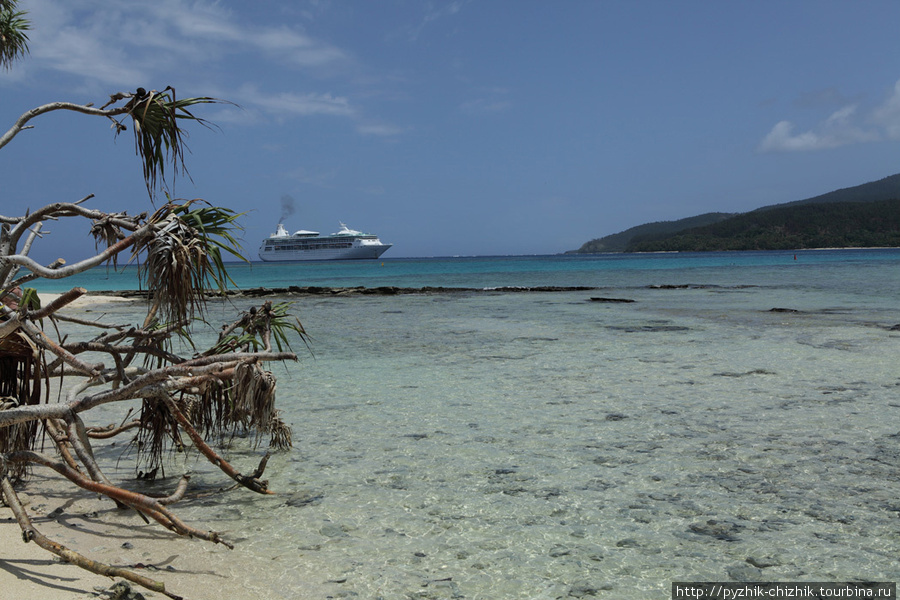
(866, 215)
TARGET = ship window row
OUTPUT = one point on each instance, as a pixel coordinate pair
(281, 248)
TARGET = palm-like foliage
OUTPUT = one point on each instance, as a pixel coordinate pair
(183, 256)
(158, 138)
(181, 247)
(257, 328)
(13, 39)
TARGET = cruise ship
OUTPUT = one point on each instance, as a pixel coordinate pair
(345, 244)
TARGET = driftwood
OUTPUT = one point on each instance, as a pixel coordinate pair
(50, 384)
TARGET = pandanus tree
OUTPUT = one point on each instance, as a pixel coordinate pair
(50, 384)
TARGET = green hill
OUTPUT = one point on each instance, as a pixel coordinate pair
(828, 225)
(883, 189)
(864, 215)
(618, 242)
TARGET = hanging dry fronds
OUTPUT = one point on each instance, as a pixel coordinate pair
(280, 434)
(157, 432)
(20, 385)
(253, 398)
(183, 257)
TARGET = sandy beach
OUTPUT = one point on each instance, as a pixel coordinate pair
(85, 301)
(190, 568)
(94, 527)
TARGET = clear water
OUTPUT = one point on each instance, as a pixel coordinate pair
(543, 445)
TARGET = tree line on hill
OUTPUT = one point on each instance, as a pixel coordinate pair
(833, 225)
(866, 215)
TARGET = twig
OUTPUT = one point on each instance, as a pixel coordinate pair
(29, 533)
(140, 502)
(251, 483)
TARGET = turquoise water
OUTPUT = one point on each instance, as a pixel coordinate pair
(487, 445)
(483, 272)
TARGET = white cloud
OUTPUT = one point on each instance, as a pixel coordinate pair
(782, 138)
(118, 46)
(492, 100)
(287, 103)
(839, 129)
(126, 43)
(887, 116)
(435, 13)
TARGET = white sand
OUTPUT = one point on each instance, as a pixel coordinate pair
(94, 527)
(83, 301)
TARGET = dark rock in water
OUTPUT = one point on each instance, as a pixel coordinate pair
(628, 543)
(616, 417)
(583, 591)
(895, 327)
(763, 562)
(647, 328)
(744, 573)
(331, 530)
(721, 530)
(303, 499)
(387, 290)
(415, 436)
(621, 300)
(753, 372)
(784, 310)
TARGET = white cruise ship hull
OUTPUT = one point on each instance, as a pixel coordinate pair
(361, 252)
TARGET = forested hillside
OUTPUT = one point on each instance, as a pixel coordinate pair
(829, 225)
(863, 215)
(618, 242)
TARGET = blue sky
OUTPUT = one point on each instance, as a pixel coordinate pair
(463, 127)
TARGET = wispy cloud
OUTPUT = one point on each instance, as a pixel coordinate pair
(491, 100)
(127, 43)
(315, 177)
(118, 46)
(435, 12)
(379, 130)
(887, 116)
(843, 127)
(287, 103)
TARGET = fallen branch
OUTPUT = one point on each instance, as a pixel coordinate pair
(30, 533)
(251, 482)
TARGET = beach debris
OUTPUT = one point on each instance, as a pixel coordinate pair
(172, 402)
(121, 590)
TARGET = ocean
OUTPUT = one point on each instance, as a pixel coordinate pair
(695, 417)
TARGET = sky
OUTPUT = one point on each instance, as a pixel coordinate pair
(460, 127)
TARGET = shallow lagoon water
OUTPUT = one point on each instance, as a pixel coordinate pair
(543, 445)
